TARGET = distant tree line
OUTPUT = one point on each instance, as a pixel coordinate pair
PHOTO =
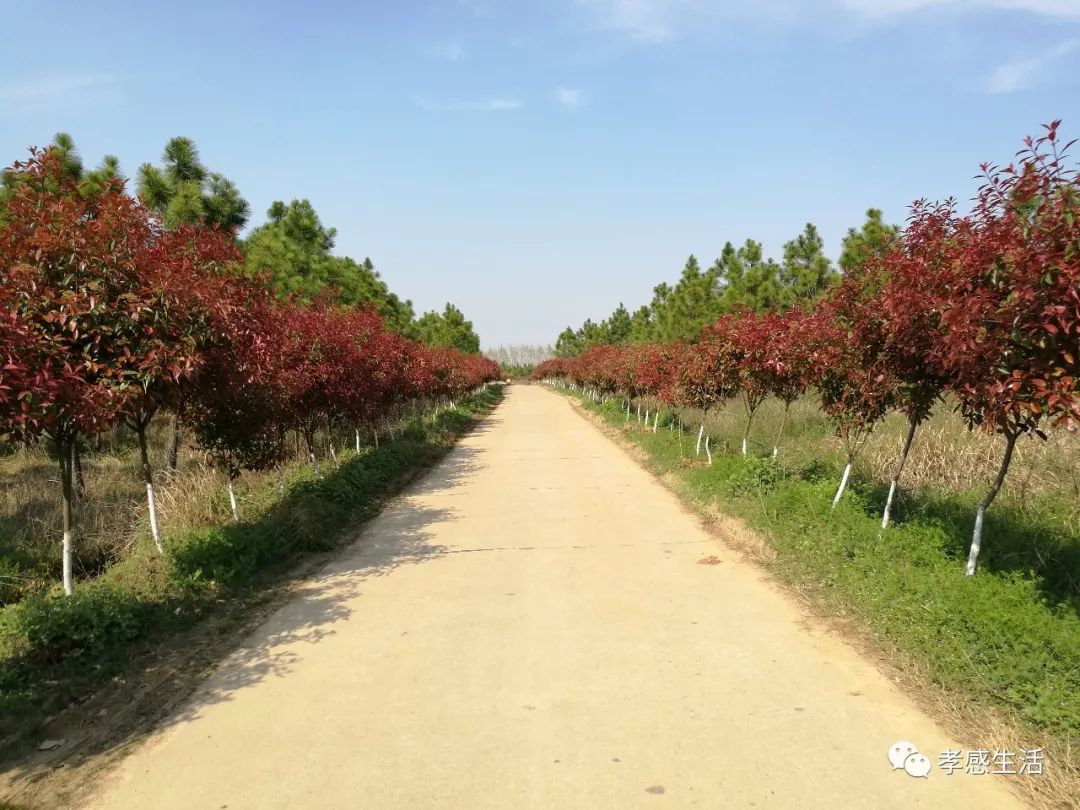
(740, 279)
(115, 309)
(292, 250)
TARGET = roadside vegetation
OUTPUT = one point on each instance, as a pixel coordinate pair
(904, 435)
(996, 655)
(183, 410)
(55, 650)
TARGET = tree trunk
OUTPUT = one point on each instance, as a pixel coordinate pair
(376, 432)
(843, 482)
(232, 501)
(655, 420)
(333, 453)
(68, 552)
(148, 479)
(357, 431)
(984, 504)
(700, 433)
(175, 437)
(749, 421)
(707, 453)
(639, 413)
(627, 419)
(309, 439)
(280, 481)
(895, 482)
(780, 435)
(76, 460)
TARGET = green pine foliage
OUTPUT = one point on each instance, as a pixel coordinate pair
(448, 329)
(740, 278)
(183, 192)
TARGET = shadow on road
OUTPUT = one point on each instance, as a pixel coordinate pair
(242, 650)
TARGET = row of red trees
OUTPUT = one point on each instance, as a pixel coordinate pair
(982, 308)
(107, 317)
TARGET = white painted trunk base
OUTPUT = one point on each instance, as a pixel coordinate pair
(843, 484)
(232, 502)
(976, 542)
(68, 560)
(888, 504)
(155, 532)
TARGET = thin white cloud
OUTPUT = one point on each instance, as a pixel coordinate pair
(570, 97)
(458, 105)
(48, 89)
(888, 8)
(659, 21)
(1019, 74)
(452, 51)
(62, 92)
(644, 20)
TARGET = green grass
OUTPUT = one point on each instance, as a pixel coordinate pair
(1007, 638)
(55, 650)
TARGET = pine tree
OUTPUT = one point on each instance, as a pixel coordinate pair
(874, 238)
(183, 192)
(617, 328)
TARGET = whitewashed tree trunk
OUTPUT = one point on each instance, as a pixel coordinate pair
(984, 504)
(155, 531)
(655, 421)
(639, 413)
(357, 432)
(780, 434)
(68, 549)
(333, 453)
(232, 502)
(627, 419)
(750, 412)
(148, 480)
(843, 483)
(707, 452)
(895, 482)
(376, 432)
(700, 433)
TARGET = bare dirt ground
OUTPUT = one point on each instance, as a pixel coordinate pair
(539, 623)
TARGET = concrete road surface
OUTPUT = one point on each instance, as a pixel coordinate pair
(529, 627)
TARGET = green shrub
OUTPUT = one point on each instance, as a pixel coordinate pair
(755, 474)
(94, 620)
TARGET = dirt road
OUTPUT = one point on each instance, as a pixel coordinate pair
(530, 627)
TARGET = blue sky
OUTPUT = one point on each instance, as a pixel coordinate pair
(538, 162)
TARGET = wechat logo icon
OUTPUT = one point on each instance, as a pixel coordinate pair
(906, 755)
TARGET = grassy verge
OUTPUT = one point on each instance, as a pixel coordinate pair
(55, 651)
(998, 654)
